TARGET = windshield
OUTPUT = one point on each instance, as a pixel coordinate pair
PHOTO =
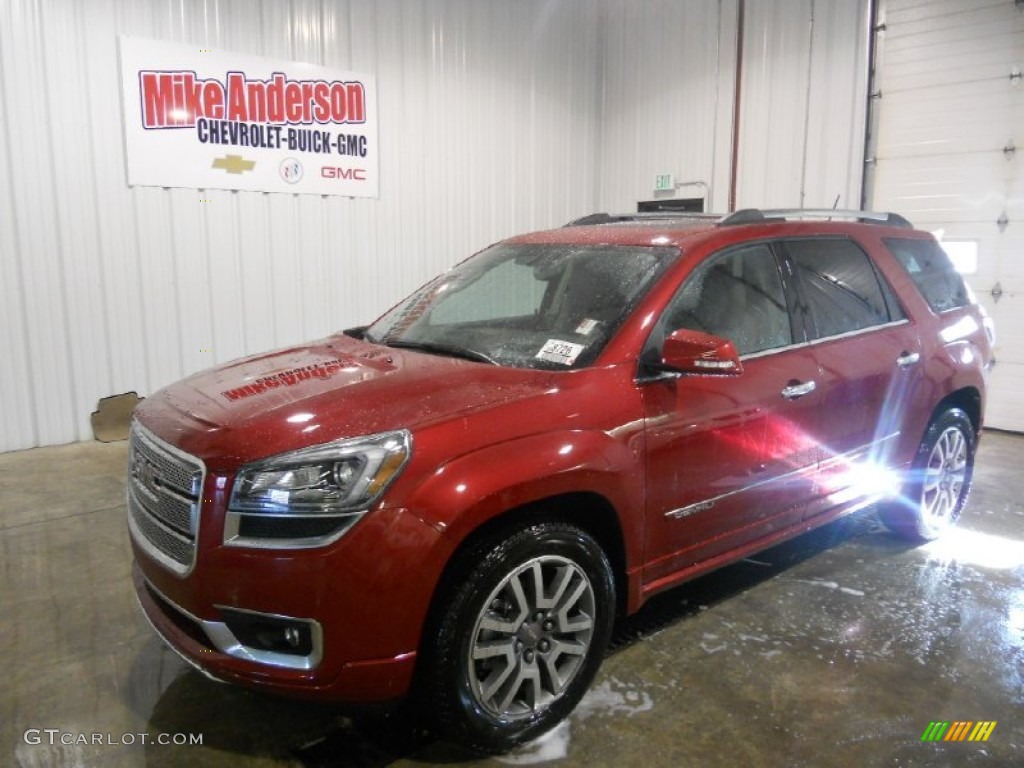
(528, 306)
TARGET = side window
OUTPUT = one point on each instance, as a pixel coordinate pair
(840, 286)
(932, 272)
(737, 295)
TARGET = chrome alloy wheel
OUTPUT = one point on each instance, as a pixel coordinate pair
(944, 477)
(531, 638)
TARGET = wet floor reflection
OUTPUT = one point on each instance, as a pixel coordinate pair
(837, 648)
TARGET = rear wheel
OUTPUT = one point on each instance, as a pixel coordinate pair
(939, 482)
(521, 637)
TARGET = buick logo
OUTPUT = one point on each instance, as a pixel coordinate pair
(291, 170)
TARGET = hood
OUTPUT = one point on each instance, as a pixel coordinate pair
(315, 393)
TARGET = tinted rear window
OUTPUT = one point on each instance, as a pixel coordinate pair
(932, 272)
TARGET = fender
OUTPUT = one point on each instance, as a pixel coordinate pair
(961, 360)
(468, 491)
(960, 377)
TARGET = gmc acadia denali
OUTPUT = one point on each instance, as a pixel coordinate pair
(458, 500)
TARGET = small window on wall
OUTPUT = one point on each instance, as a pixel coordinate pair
(842, 290)
(932, 272)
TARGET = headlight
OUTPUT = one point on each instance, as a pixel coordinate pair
(310, 497)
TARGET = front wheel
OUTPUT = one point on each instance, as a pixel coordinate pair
(940, 480)
(521, 637)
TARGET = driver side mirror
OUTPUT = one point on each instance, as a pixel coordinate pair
(688, 351)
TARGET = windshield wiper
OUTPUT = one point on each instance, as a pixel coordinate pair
(443, 349)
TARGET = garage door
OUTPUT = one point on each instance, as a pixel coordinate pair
(949, 154)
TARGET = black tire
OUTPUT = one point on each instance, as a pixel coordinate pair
(506, 664)
(939, 482)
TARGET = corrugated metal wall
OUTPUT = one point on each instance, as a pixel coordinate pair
(802, 119)
(669, 93)
(488, 125)
(668, 99)
(495, 117)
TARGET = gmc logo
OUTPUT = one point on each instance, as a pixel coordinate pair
(145, 473)
(332, 172)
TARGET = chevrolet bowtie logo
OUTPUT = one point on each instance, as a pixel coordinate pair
(234, 164)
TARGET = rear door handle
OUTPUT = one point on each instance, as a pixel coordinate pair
(907, 359)
(796, 389)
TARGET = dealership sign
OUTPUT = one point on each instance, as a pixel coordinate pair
(208, 119)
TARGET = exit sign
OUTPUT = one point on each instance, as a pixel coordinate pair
(663, 182)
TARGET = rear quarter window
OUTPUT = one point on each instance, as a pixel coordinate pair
(931, 271)
(840, 286)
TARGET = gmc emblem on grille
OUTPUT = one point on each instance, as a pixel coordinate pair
(145, 472)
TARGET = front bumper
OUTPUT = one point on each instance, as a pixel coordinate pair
(196, 641)
(357, 608)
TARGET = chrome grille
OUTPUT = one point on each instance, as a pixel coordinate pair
(177, 547)
(167, 508)
(176, 470)
(164, 485)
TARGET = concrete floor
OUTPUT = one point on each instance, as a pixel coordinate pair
(836, 649)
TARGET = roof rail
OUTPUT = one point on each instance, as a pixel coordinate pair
(625, 218)
(746, 216)
(756, 215)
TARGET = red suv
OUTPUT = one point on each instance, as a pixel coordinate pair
(460, 498)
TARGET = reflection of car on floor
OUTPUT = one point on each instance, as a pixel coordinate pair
(459, 499)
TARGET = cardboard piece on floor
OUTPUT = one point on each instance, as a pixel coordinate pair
(113, 417)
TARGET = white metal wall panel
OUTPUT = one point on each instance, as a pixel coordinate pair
(950, 106)
(489, 115)
(42, 287)
(804, 92)
(669, 73)
(773, 115)
(833, 155)
(669, 92)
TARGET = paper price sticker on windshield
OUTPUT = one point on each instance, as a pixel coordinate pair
(564, 352)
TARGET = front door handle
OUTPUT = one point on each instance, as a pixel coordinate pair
(907, 359)
(796, 389)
